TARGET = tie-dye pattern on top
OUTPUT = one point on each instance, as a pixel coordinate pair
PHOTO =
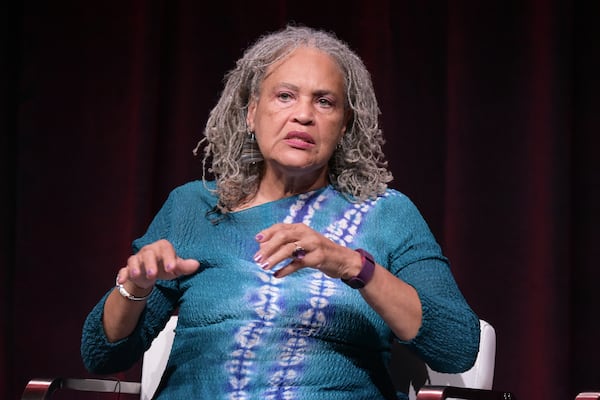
(244, 334)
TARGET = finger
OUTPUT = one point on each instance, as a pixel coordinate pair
(267, 260)
(289, 269)
(150, 261)
(183, 267)
(277, 243)
(280, 233)
(167, 255)
(123, 275)
(134, 266)
(266, 234)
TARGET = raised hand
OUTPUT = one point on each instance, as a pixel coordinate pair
(157, 260)
(306, 248)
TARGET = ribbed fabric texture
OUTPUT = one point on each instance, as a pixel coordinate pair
(243, 334)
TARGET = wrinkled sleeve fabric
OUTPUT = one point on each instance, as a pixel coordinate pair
(448, 339)
(103, 357)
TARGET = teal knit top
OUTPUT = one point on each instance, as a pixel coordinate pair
(244, 334)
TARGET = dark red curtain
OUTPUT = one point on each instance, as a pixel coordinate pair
(489, 109)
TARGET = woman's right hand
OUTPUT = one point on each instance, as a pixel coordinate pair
(157, 260)
(154, 261)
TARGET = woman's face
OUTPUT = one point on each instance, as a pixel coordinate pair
(299, 116)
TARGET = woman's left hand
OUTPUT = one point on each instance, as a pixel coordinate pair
(306, 248)
(396, 301)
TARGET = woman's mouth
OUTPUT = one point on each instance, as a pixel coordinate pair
(300, 140)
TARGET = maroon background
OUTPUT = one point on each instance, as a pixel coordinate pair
(490, 110)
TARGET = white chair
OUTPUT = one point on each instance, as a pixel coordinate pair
(474, 384)
(153, 365)
(155, 359)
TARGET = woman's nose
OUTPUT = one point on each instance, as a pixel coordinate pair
(304, 112)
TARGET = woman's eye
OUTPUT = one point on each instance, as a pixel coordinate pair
(325, 102)
(285, 96)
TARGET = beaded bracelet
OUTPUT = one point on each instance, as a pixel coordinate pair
(123, 292)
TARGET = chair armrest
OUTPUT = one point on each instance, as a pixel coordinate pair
(588, 396)
(445, 392)
(42, 389)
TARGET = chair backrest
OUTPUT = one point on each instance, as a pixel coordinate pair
(481, 375)
(410, 372)
(155, 359)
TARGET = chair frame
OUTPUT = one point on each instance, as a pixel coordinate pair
(455, 392)
(588, 396)
(43, 389)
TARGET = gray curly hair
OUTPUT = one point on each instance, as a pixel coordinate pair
(357, 169)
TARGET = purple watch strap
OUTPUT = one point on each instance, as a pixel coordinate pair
(366, 273)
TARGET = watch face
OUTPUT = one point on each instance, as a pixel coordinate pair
(355, 283)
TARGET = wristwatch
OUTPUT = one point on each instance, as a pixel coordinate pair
(365, 274)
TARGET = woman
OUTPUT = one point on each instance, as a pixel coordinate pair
(294, 269)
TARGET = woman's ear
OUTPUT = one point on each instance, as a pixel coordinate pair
(347, 117)
(250, 115)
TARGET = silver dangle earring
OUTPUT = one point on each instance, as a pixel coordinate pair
(251, 154)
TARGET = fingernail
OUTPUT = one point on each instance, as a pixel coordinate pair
(259, 237)
(264, 265)
(168, 267)
(257, 257)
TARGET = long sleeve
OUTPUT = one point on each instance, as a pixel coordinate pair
(103, 357)
(448, 339)
(238, 322)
